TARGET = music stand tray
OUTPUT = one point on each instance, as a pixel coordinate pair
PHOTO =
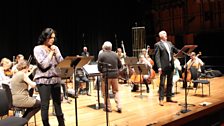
(186, 50)
(140, 69)
(65, 72)
(130, 60)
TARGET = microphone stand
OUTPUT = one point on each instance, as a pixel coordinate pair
(106, 66)
(76, 96)
(185, 110)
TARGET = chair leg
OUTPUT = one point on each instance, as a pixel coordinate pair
(209, 88)
(202, 90)
(176, 87)
(35, 120)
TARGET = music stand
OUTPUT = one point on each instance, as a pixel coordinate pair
(65, 73)
(92, 70)
(130, 60)
(140, 69)
(74, 62)
(184, 52)
(151, 52)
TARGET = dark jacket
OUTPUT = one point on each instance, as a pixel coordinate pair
(109, 62)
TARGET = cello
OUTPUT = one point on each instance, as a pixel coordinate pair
(188, 73)
(137, 79)
(126, 72)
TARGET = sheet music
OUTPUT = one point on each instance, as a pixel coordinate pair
(91, 69)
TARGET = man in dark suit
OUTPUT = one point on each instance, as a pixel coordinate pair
(164, 59)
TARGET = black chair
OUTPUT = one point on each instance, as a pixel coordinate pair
(14, 108)
(4, 109)
(199, 78)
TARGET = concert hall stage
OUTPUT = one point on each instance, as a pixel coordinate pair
(145, 110)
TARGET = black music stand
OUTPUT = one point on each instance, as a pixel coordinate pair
(128, 62)
(184, 52)
(92, 70)
(74, 62)
(141, 70)
(151, 52)
(65, 73)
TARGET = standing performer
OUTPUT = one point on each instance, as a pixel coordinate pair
(164, 60)
(110, 58)
(48, 81)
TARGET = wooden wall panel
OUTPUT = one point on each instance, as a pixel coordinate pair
(178, 20)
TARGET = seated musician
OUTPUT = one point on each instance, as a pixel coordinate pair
(6, 65)
(20, 83)
(196, 63)
(18, 59)
(81, 76)
(176, 74)
(146, 55)
(85, 52)
(123, 72)
(121, 55)
(143, 60)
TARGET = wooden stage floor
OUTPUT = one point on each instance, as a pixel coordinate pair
(137, 111)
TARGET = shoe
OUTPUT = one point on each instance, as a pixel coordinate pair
(108, 110)
(147, 91)
(133, 90)
(88, 94)
(170, 100)
(161, 103)
(119, 110)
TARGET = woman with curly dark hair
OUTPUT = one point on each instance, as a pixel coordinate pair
(47, 56)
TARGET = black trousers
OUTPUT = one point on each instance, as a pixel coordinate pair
(81, 78)
(169, 76)
(47, 91)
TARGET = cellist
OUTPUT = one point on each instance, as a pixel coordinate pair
(196, 63)
(135, 78)
(149, 59)
(146, 55)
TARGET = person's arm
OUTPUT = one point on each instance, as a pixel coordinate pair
(157, 58)
(201, 63)
(119, 63)
(57, 53)
(43, 59)
(29, 81)
(148, 63)
(178, 65)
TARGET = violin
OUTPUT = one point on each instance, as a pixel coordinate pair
(8, 72)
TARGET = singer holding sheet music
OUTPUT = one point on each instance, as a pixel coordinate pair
(164, 59)
(109, 59)
(48, 81)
